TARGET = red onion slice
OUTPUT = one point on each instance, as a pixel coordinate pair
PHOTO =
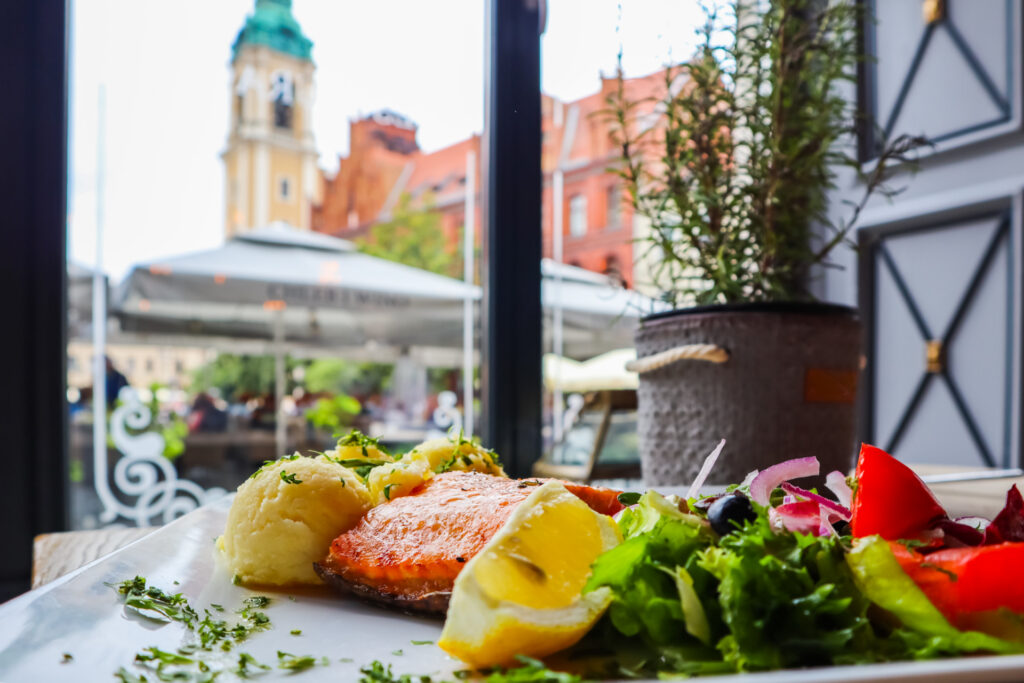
(966, 534)
(833, 507)
(825, 528)
(801, 517)
(978, 523)
(768, 480)
(705, 470)
(836, 483)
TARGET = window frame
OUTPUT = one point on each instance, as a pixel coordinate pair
(33, 491)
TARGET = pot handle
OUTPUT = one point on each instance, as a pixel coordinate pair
(707, 352)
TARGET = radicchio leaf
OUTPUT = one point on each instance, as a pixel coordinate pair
(1008, 525)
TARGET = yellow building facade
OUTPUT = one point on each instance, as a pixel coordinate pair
(270, 160)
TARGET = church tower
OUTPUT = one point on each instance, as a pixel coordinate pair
(270, 159)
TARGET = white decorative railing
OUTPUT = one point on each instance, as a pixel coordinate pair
(142, 472)
(446, 414)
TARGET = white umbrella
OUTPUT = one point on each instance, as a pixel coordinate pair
(607, 371)
(294, 287)
(311, 286)
(300, 288)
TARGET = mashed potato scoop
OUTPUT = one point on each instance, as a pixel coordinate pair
(285, 516)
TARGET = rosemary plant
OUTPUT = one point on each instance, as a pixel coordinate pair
(734, 172)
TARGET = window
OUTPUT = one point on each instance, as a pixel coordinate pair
(284, 157)
(613, 208)
(282, 114)
(578, 215)
(282, 93)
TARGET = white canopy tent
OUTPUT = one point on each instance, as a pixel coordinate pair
(312, 294)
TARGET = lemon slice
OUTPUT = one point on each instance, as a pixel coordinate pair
(522, 593)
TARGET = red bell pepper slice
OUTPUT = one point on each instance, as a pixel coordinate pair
(890, 500)
(966, 580)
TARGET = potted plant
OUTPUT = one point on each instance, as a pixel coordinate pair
(731, 168)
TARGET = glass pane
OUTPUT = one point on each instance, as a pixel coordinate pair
(269, 218)
(596, 285)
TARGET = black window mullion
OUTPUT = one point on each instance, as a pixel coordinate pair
(511, 367)
(33, 175)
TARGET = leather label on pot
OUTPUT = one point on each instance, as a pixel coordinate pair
(830, 386)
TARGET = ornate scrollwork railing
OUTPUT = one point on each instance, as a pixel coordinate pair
(142, 472)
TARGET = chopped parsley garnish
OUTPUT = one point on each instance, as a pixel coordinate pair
(257, 601)
(361, 466)
(397, 653)
(290, 662)
(296, 631)
(126, 676)
(422, 642)
(155, 654)
(387, 491)
(208, 634)
(357, 438)
(378, 673)
(360, 462)
(247, 665)
(269, 463)
(289, 478)
(153, 603)
(531, 671)
(929, 565)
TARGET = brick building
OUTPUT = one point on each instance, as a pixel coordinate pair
(385, 163)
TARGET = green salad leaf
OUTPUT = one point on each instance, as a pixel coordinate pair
(879, 576)
(687, 601)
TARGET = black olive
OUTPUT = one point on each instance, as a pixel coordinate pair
(730, 512)
(842, 527)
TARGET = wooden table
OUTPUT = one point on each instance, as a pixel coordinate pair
(57, 554)
(54, 555)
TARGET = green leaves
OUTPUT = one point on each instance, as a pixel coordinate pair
(925, 630)
(414, 236)
(732, 161)
(687, 601)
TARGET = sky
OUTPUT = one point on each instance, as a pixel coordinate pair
(163, 67)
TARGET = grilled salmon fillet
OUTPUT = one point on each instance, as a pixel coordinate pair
(407, 553)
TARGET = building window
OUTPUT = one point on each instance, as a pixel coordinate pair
(613, 209)
(282, 93)
(149, 365)
(282, 114)
(285, 189)
(578, 215)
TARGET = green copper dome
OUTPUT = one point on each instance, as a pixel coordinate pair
(273, 25)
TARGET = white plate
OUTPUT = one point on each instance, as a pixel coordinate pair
(82, 616)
